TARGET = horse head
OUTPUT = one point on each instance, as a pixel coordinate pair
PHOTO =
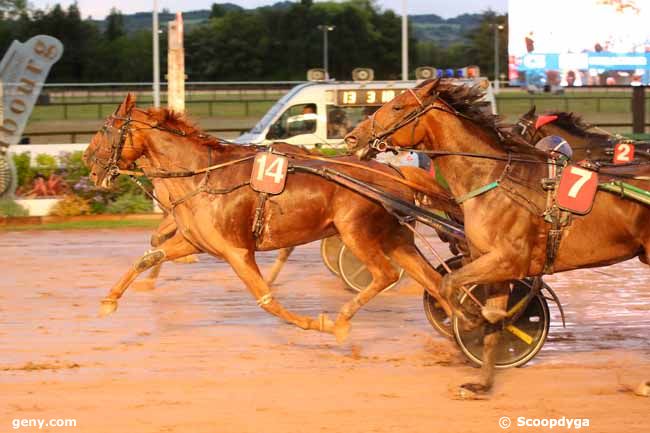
(113, 147)
(388, 125)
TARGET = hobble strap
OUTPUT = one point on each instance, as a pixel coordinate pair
(265, 300)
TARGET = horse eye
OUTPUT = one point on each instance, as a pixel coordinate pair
(397, 107)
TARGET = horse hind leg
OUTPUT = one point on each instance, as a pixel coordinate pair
(171, 249)
(280, 261)
(166, 229)
(243, 263)
(406, 255)
(370, 253)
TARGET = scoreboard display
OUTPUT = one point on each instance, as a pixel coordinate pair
(363, 97)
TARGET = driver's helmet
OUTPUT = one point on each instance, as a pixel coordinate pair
(556, 146)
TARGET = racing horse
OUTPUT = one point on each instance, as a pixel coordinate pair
(496, 179)
(587, 141)
(167, 228)
(215, 209)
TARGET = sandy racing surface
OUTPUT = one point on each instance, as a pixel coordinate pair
(198, 355)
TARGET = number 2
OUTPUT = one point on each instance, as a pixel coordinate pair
(624, 152)
(585, 176)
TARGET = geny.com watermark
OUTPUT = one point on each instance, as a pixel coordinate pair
(42, 423)
(550, 423)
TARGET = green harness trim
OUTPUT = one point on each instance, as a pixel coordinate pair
(439, 177)
(627, 191)
(477, 192)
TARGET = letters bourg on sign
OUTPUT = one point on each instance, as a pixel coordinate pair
(23, 70)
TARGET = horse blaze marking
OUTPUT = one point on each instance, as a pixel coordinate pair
(269, 173)
(577, 190)
(623, 153)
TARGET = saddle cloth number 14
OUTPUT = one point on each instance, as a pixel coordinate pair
(577, 190)
(269, 173)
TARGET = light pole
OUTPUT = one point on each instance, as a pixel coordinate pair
(497, 29)
(325, 28)
(156, 56)
(405, 42)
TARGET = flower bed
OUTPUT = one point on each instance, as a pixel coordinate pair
(49, 185)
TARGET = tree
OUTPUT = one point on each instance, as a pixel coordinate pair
(114, 25)
(12, 8)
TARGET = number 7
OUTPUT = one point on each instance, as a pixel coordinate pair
(585, 175)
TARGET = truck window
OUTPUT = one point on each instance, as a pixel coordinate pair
(296, 120)
(341, 120)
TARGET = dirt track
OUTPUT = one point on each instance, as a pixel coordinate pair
(197, 355)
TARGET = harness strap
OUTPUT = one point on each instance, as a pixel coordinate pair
(258, 220)
(330, 160)
(477, 192)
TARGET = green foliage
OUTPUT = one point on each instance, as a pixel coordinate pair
(278, 42)
(9, 208)
(74, 167)
(130, 203)
(71, 205)
(114, 25)
(24, 171)
(46, 164)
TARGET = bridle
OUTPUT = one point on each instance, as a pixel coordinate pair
(377, 140)
(527, 126)
(111, 165)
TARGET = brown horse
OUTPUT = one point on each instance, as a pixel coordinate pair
(167, 228)
(504, 225)
(214, 211)
(586, 141)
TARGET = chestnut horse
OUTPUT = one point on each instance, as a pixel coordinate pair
(214, 211)
(504, 225)
(586, 141)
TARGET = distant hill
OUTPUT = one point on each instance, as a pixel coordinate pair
(431, 27)
(443, 32)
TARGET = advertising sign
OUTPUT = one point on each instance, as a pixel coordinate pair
(579, 42)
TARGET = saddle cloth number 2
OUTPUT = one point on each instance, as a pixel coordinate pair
(623, 153)
(577, 190)
(269, 173)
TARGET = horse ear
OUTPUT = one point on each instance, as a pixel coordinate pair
(429, 86)
(127, 105)
(531, 112)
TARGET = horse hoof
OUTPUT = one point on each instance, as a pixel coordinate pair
(192, 258)
(107, 307)
(492, 314)
(643, 390)
(144, 285)
(472, 391)
(325, 324)
(341, 331)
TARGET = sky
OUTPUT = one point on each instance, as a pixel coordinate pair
(444, 8)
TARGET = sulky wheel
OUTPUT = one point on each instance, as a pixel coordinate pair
(435, 313)
(329, 250)
(354, 272)
(520, 341)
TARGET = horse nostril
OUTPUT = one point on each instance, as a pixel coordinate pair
(351, 140)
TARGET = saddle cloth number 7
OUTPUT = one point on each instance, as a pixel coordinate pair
(269, 173)
(577, 190)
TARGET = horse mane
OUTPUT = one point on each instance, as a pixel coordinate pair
(574, 124)
(176, 121)
(468, 101)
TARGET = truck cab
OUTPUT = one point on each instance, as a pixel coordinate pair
(320, 114)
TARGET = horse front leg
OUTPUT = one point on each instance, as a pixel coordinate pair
(492, 268)
(498, 299)
(243, 263)
(173, 248)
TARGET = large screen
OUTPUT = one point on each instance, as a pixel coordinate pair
(579, 42)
